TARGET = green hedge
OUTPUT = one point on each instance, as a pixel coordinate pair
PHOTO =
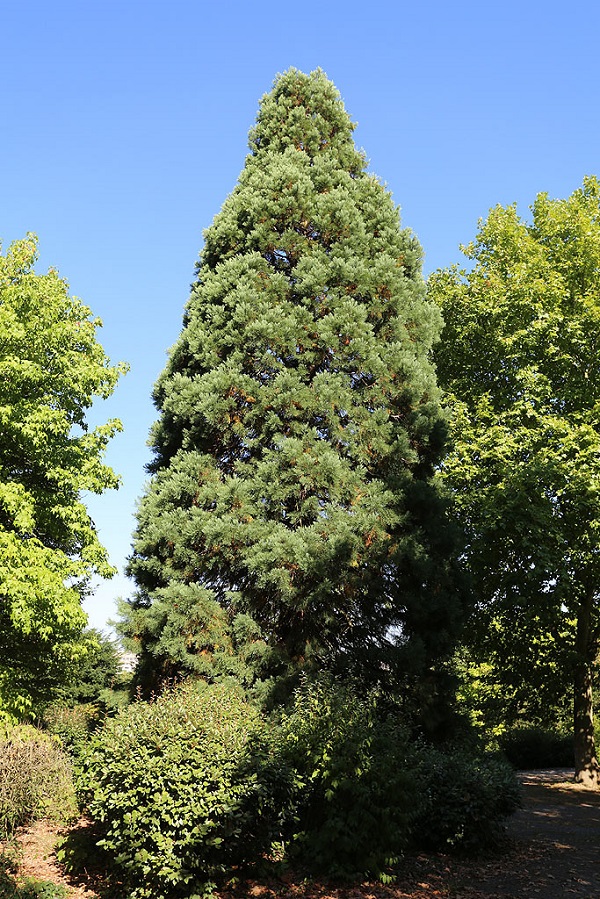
(355, 781)
(527, 748)
(465, 799)
(183, 789)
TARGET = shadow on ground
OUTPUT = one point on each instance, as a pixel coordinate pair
(557, 842)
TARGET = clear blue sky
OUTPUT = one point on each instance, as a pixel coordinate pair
(124, 127)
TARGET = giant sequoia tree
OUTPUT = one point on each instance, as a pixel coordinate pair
(291, 512)
(520, 354)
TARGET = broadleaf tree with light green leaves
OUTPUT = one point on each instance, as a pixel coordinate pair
(292, 517)
(51, 369)
(520, 359)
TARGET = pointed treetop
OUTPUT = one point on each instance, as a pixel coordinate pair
(300, 423)
(305, 111)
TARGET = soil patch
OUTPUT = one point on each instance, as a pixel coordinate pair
(36, 860)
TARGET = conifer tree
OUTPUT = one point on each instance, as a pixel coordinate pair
(291, 513)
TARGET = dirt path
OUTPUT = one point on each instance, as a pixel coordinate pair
(37, 860)
(554, 854)
(557, 834)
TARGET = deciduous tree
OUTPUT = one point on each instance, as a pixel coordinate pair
(51, 368)
(520, 358)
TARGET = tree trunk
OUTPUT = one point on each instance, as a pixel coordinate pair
(587, 770)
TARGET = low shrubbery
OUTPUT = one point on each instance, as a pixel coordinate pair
(370, 790)
(35, 779)
(537, 747)
(183, 788)
(356, 789)
(73, 724)
(464, 799)
(198, 783)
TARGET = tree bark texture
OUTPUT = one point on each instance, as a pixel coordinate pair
(587, 770)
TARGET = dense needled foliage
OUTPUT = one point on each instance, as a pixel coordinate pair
(291, 513)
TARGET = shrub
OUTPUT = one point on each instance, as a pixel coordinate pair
(182, 789)
(72, 724)
(366, 790)
(30, 889)
(35, 779)
(356, 791)
(465, 799)
(537, 747)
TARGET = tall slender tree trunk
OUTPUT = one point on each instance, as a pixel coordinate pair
(587, 770)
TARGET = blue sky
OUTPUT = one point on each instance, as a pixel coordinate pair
(124, 127)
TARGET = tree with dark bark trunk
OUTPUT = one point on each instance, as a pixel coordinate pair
(586, 650)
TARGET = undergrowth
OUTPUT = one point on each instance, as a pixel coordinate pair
(35, 779)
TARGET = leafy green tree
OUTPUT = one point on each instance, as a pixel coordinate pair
(51, 368)
(520, 359)
(292, 513)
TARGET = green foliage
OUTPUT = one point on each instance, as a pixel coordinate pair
(495, 701)
(527, 748)
(465, 799)
(175, 790)
(93, 671)
(367, 790)
(195, 635)
(30, 888)
(520, 362)
(35, 779)
(355, 781)
(51, 369)
(72, 724)
(95, 687)
(299, 428)
(186, 789)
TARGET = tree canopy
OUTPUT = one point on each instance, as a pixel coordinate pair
(292, 512)
(520, 359)
(51, 369)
